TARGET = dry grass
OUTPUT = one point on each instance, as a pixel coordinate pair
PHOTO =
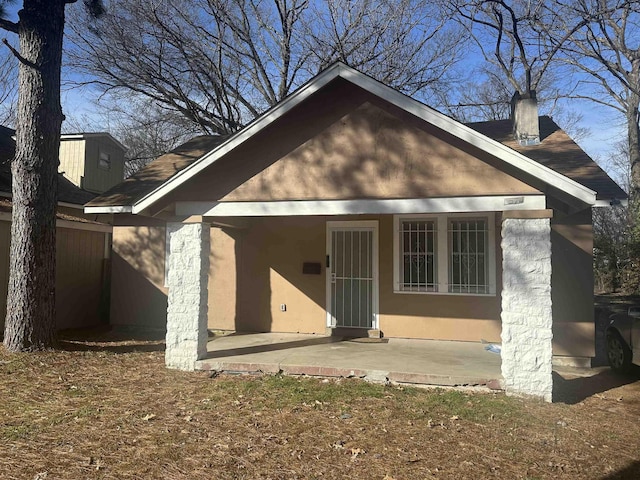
(111, 410)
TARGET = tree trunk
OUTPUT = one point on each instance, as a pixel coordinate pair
(30, 321)
(633, 135)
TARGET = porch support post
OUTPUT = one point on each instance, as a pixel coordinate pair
(188, 275)
(526, 307)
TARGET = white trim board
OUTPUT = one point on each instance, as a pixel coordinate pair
(608, 203)
(359, 207)
(394, 97)
(109, 209)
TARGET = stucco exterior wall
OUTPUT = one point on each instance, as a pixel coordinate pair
(269, 257)
(138, 294)
(357, 146)
(254, 270)
(572, 277)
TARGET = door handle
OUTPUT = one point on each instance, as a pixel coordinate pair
(333, 278)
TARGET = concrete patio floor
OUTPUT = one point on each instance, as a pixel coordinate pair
(423, 362)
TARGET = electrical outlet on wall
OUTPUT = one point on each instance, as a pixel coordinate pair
(283, 307)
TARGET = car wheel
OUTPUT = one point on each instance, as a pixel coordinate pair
(618, 352)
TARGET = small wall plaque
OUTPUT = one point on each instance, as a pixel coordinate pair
(311, 268)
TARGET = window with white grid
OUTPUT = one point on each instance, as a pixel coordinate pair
(445, 254)
(468, 255)
(418, 252)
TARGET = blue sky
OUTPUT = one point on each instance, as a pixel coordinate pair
(606, 126)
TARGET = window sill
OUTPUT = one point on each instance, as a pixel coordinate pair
(451, 294)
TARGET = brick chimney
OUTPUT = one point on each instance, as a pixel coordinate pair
(524, 115)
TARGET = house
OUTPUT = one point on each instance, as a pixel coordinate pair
(352, 207)
(92, 161)
(83, 247)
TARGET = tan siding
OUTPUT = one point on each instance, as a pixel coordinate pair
(72, 159)
(97, 179)
(80, 277)
(5, 239)
(572, 277)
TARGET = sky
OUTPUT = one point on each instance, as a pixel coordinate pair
(606, 127)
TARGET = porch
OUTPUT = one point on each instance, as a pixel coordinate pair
(423, 362)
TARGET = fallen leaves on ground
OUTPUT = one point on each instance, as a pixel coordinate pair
(110, 409)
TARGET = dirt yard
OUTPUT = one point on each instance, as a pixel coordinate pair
(107, 408)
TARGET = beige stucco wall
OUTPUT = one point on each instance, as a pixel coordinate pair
(81, 278)
(269, 258)
(138, 294)
(346, 144)
(254, 270)
(572, 278)
(443, 317)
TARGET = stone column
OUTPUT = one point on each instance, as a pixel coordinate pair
(526, 307)
(188, 295)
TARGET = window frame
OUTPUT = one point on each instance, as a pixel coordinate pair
(400, 284)
(443, 250)
(106, 164)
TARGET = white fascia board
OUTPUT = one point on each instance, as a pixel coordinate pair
(253, 128)
(109, 209)
(394, 97)
(362, 207)
(608, 203)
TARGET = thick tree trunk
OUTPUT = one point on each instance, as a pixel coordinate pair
(633, 134)
(30, 321)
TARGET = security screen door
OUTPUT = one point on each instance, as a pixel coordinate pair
(352, 276)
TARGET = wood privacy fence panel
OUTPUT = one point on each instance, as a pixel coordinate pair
(82, 276)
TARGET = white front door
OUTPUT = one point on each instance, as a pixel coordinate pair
(352, 274)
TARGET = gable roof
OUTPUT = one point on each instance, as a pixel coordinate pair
(156, 181)
(67, 191)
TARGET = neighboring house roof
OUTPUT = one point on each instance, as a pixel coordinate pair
(151, 176)
(557, 151)
(6, 205)
(170, 171)
(67, 191)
